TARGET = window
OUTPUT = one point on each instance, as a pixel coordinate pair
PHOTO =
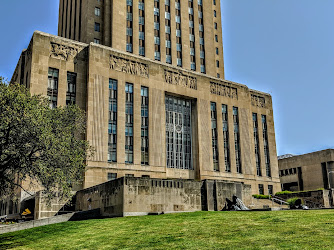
(52, 91)
(141, 6)
(112, 176)
(237, 140)
(144, 126)
(214, 2)
(217, 63)
(129, 26)
(97, 27)
(266, 145)
(141, 51)
(203, 69)
(97, 41)
(129, 175)
(217, 51)
(261, 191)
(226, 138)
(167, 30)
(97, 11)
(112, 127)
(157, 30)
(256, 145)
(214, 136)
(270, 190)
(216, 26)
(215, 13)
(178, 133)
(216, 38)
(218, 75)
(129, 123)
(71, 88)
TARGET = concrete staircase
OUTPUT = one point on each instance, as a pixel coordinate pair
(266, 203)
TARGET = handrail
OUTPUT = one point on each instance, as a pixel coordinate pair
(280, 201)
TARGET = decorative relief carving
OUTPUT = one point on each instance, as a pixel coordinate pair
(127, 66)
(223, 90)
(177, 78)
(258, 101)
(63, 52)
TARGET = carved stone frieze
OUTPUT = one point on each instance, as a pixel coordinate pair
(223, 90)
(178, 78)
(63, 52)
(128, 66)
(258, 101)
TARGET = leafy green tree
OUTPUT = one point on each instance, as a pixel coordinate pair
(38, 144)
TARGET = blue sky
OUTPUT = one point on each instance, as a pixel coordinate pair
(283, 47)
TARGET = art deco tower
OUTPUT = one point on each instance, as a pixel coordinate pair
(185, 33)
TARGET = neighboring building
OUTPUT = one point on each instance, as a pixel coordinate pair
(307, 172)
(149, 116)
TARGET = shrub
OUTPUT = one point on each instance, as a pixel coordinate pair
(284, 192)
(260, 196)
(292, 201)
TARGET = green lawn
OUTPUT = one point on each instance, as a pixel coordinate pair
(200, 230)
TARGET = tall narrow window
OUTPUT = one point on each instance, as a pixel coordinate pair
(128, 123)
(129, 26)
(201, 36)
(112, 129)
(71, 88)
(178, 133)
(192, 35)
(168, 32)
(266, 145)
(97, 27)
(237, 140)
(144, 126)
(226, 139)
(97, 11)
(270, 190)
(157, 30)
(214, 136)
(261, 190)
(141, 6)
(178, 32)
(256, 145)
(52, 90)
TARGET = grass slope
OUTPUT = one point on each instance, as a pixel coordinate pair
(200, 230)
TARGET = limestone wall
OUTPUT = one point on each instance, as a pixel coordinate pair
(109, 197)
(131, 196)
(145, 196)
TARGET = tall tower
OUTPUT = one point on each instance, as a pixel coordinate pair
(186, 33)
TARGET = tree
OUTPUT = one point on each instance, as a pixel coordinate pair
(40, 144)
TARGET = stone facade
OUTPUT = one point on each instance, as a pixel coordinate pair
(95, 65)
(307, 172)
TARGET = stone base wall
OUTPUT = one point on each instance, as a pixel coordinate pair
(109, 197)
(131, 196)
(312, 199)
(215, 192)
(145, 196)
(45, 210)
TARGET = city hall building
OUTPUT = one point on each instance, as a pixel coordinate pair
(150, 76)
